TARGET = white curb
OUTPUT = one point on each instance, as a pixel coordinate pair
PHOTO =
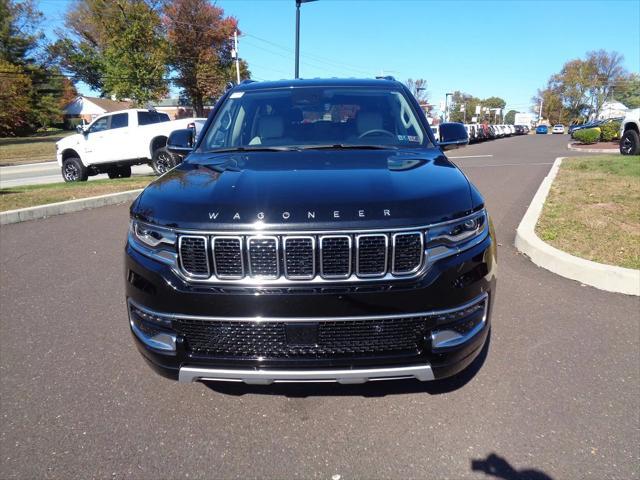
(604, 277)
(42, 211)
(593, 150)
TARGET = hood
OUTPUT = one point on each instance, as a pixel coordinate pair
(69, 141)
(312, 189)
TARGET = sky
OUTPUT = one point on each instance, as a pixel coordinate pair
(501, 48)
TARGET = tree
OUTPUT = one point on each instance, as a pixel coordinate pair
(552, 107)
(15, 99)
(462, 106)
(510, 117)
(418, 88)
(583, 86)
(116, 46)
(627, 90)
(607, 70)
(19, 33)
(30, 89)
(200, 41)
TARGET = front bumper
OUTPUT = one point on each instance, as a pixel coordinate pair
(449, 285)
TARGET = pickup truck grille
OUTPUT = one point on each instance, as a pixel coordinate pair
(296, 257)
(333, 338)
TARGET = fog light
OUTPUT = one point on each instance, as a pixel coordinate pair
(459, 326)
(149, 329)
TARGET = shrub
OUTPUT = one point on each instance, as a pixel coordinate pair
(587, 136)
(609, 131)
(72, 123)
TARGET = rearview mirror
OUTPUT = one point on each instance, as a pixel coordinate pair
(181, 141)
(453, 135)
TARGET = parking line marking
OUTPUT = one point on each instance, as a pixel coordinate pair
(473, 156)
(509, 165)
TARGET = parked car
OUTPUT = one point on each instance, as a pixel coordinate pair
(542, 130)
(558, 128)
(114, 142)
(630, 133)
(266, 256)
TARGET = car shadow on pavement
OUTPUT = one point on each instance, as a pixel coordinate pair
(498, 467)
(371, 389)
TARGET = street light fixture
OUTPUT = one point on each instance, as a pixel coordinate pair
(298, 3)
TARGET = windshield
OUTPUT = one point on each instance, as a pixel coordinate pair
(315, 116)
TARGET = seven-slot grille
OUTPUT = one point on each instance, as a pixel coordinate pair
(301, 257)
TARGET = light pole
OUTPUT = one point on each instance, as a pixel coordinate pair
(446, 106)
(298, 3)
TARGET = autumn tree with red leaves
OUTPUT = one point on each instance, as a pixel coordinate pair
(200, 43)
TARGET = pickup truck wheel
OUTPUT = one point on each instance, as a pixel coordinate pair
(74, 171)
(162, 161)
(630, 143)
(120, 172)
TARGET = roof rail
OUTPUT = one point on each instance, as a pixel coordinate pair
(385, 77)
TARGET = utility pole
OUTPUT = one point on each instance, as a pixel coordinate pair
(540, 112)
(235, 53)
(446, 106)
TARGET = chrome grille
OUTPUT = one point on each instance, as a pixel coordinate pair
(371, 256)
(298, 257)
(228, 261)
(193, 256)
(263, 257)
(407, 252)
(335, 256)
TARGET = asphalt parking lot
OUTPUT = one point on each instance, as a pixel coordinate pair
(557, 395)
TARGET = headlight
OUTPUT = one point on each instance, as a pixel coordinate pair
(453, 237)
(155, 242)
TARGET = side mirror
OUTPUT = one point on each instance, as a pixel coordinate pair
(453, 135)
(80, 129)
(181, 141)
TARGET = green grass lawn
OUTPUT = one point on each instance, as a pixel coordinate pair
(38, 148)
(32, 195)
(593, 210)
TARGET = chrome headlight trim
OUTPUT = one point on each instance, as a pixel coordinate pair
(154, 242)
(453, 237)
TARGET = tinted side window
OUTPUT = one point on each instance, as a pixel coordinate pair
(119, 120)
(100, 125)
(147, 118)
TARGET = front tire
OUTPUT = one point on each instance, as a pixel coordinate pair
(74, 171)
(630, 143)
(162, 161)
(120, 172)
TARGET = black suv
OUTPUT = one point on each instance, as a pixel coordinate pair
(315, 232)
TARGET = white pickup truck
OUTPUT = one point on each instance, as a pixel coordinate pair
(113, 142)
(630, 133)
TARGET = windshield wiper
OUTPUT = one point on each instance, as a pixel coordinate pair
(252, 149)
(343, 146)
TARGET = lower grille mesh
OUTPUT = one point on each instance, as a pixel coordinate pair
(268, 340)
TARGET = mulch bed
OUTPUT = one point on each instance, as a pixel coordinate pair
(613, 146)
